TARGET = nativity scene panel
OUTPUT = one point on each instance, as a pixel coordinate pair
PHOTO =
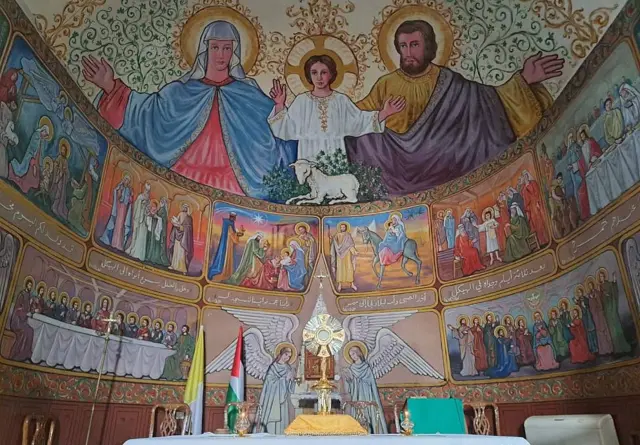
(589, 157)
(49, 152)
(385, 251)
(495, 223)
(262, 250)
(57, 319)
(148, 220)
(583, 319)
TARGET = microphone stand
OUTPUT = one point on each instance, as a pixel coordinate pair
(102, 360)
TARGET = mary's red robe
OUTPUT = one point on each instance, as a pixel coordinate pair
(533, 203)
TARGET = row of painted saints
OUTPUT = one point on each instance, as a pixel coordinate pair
(420, 125)
(372, 351)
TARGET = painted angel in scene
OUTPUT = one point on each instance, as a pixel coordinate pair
(55, 100)
(269, 356)
(372, 351)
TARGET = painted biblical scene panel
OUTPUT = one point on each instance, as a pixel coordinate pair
(59, 317)
(50, 152)
(384, 251)
(581, 320)
(493, 224)
(589, 157)
(151, 221)
(9, 248)
(631, 253)
(262, 250)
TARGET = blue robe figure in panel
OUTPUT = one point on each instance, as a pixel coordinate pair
(296, 271)
(222, 264)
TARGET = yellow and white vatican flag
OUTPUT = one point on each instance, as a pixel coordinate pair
(194, 392)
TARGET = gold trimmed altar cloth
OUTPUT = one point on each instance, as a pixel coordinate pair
(329, 425)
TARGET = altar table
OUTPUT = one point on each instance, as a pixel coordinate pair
(63, 344)
(392, 439)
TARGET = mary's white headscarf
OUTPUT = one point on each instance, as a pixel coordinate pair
(218, 30)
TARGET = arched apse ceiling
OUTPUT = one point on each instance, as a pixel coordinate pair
(507, 45)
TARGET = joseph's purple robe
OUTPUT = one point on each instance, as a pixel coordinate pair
(463, 126)
(184, 237)
(19, 324)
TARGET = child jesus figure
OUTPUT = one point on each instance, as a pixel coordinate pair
(320, 119)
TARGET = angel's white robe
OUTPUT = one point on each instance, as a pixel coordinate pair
(274, 399)
(363, 388)
(321, 123)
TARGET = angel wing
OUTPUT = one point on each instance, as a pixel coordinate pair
(83, 133)
(391, 351)
(257, 360)
(47, 88)
(366, 327)
(275, 328)
(7, 257)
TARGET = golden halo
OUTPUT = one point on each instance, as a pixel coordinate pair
(462, 317)
(398, 214)
(52, 290)
(44, 120)
(563, 300)
(192, 30)
(48, 162)
(124, 316)
(498, 329)
(66, 146)
(296, 239)
(302, 224)
(590, 279)
(281, 346)
(358, 344)
(134, 315)
(106, 297)
(484, 316)
(41, 285)
(476, 317)
(75, 300)
(146, 317)
(577, 308)
(579, 287)
(286, 250)
(344, 223)
(571, 132)
(158, 320)
(442, 30)
(585, 128)
(605, 272)
(173, 323)
(523, 318)
(87, 303)
(68, 114)
(553, 309)
(507, 317)
(126, 174)
(440, 214)
(63, 295)
(346, 63)
(538, 312)
(490, 210)
(27, 279)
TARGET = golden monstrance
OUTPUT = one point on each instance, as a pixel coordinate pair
(323, 336)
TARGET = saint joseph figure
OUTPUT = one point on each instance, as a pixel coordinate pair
(449, 125)
(209, 126)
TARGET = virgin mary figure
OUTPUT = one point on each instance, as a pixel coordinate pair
(209, 126)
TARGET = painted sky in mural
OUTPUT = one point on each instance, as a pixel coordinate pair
(54, 156)
(379, 252)
(579, 320)
(57, 320)
(261, 250)
(150, 220)
(589, 156)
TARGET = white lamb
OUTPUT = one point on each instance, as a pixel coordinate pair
(338, 189)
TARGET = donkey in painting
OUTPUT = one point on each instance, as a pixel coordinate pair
(409, 252)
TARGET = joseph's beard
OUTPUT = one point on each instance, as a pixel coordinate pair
(414, 67)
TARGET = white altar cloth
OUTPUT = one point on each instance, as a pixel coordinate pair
(392, 439)
(57, 343)
(617, 170)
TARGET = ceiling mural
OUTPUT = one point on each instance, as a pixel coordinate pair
(366, 133)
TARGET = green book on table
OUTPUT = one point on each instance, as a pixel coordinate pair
(436, 416)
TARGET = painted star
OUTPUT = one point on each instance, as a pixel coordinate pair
(259, 219)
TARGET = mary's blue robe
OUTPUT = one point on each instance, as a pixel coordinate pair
(163, 125)
(297, 271)
(217, 265)
(506, 360)
(107, 235)
(394, 242)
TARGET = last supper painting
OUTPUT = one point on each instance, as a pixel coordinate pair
(375, 220)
